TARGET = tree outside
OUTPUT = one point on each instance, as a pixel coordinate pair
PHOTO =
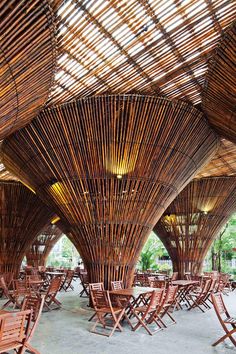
(63, 254)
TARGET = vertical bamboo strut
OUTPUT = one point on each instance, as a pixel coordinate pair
(219, 98)
(192, 221)
(22, 217)
(27, 60)
(110, 166)
(39, 250)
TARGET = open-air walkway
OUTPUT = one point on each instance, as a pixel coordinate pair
(66, 331)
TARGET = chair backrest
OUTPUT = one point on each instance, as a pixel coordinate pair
(54, 286)
(156, 298)
(35, 304)
(174, 276)
(117, 285)
(3, 286)
(156, 283)
(14, 328)
(96, 286)
(84, 277)
(171, 294)
(99, 299)
(206, 286)
(21, 287)
(218, 304)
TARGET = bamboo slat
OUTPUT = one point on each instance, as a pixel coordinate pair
(223, 163)
(110, 166)
(39, 250)
(192, 221)
(22, 217)
(219, 95)
(137, 46)
(27, 60)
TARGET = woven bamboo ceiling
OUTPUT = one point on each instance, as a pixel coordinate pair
(152, 47)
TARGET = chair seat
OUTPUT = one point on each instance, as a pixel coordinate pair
(231, 320)
(108, 310)
(9, 346)
(143, 309)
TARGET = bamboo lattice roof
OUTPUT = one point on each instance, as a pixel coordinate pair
(223, 163)
(149, 47)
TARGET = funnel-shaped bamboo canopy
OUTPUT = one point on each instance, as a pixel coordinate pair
(110, 166)
(192, 221)
(22, 216)
(39, 250)
(219, 96)
(27, 60)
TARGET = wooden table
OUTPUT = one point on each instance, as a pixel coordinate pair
(132, 292)
(184, 288)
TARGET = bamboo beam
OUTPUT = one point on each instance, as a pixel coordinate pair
(27, 60)
(192, 221)
(22, 216)
(110, 166)
(219, 95)
(38, 252)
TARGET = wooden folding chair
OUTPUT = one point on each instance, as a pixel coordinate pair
(169, 302)
(84, 281)
(224, 318)
(149, 313)
(9, 294)
(14, 332)
(156, 283)
(198, 298)
(103, 307)
(67, 283)
(95, 286)
(34, 303)
(50, 295)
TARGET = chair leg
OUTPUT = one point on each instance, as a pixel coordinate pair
(227, 335)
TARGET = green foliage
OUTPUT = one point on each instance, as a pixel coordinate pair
(151, 251)
(68, 256)
(222, 249)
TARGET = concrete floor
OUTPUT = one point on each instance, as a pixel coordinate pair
(66, 331)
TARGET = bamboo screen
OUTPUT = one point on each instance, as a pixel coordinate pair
(22, 217)
(223, 163)
(110, 166)
(39, 250)
(192, 221)
(219, 96)
(27, 60)
(138, 46)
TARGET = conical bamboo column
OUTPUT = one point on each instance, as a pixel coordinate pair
(27, 60)
(192, 221)
(110, 166)
(22, 217)
(219, 99)
(40, 249)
